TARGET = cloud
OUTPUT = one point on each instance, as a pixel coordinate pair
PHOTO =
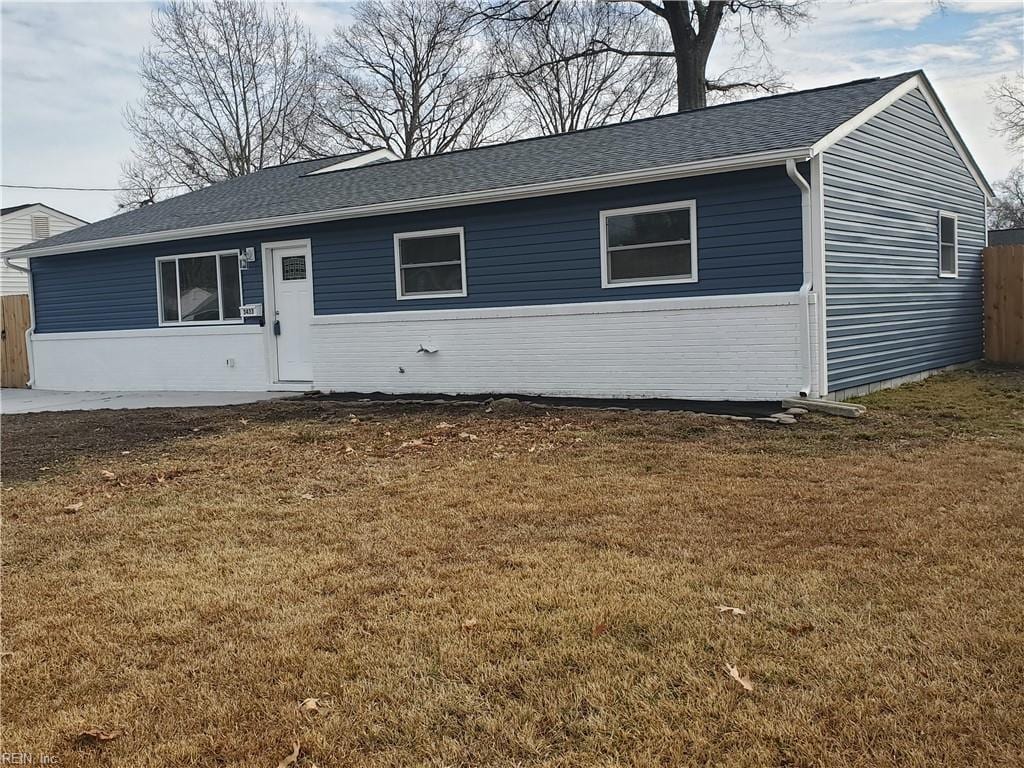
(983, 6)
(322, 18)
(883, 14)
(70, 69)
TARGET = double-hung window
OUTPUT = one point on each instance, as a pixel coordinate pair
(199, 288)
(948, 266)
(430, 264)
(649, 245)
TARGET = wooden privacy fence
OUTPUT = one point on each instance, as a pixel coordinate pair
(1004, 303)
(13, 352)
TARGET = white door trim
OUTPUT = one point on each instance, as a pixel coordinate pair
(269, 304)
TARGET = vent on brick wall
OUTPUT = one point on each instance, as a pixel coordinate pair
(40, 227)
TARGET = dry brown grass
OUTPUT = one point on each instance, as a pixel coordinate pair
(193, 600)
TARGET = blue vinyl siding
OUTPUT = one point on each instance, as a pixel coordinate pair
(889, 314)
(115, 290)
(547, 250)
(535, 251)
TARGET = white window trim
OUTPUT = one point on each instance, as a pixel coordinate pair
(956, 243)
(220, 299)
(399, 236)
(673, 206)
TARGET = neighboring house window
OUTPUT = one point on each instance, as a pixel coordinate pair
(649, 245)
(947, 245)
(200, 288)
(40, 227)
(430, 264)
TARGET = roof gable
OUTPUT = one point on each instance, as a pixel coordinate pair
(920, 83)
(27, 208)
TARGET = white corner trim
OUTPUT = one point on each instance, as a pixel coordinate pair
(820, 268)
(918, 82)
(376, 156)
(689, 205)
(400, 236)
(609, 307)
(809, 387)
(563, 186)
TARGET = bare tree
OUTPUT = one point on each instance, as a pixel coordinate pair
(693, 27)
(409, 75)
(143, 185)
(230, 87)
(1008, 210)
(1007, 97)
(564, 93)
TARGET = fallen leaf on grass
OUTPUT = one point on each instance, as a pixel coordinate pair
(730, 609)
(469, 623)
(70, 509)
(599, 629)
(106, 473)
(312, 705)
(734, 673)
(100, 734)
(293, 758)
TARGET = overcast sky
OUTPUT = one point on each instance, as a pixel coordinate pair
(68, 69)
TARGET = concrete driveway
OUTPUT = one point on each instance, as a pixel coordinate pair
(41, 400)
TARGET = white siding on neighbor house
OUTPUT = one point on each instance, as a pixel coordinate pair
(16, 230)
(710, 348)
(183, 359)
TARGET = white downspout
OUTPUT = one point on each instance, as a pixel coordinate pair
(805, 287)
(31, 315)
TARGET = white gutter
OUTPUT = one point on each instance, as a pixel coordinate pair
(31, 315)
(805, 287)
(563, 186)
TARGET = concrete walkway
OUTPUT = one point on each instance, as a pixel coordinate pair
(41, 400)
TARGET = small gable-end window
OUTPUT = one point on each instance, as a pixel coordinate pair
(947, 245)
(200, 288)
(40, 227)
(430, 264)
(649, 245)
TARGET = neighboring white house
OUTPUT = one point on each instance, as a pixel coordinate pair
(24, 224)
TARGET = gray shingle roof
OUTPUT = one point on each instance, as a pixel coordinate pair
(786, 121)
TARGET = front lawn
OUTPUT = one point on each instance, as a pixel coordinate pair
(457, 587)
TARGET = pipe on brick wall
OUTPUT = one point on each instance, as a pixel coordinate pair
(805, 286)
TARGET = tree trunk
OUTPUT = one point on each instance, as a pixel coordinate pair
(691, 79)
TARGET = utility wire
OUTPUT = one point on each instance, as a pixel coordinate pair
(79, 189)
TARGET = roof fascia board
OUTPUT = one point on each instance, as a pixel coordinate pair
(375, 156)
(623, 178)
(918, 82)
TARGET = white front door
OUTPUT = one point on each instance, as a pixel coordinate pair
(293, 310)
